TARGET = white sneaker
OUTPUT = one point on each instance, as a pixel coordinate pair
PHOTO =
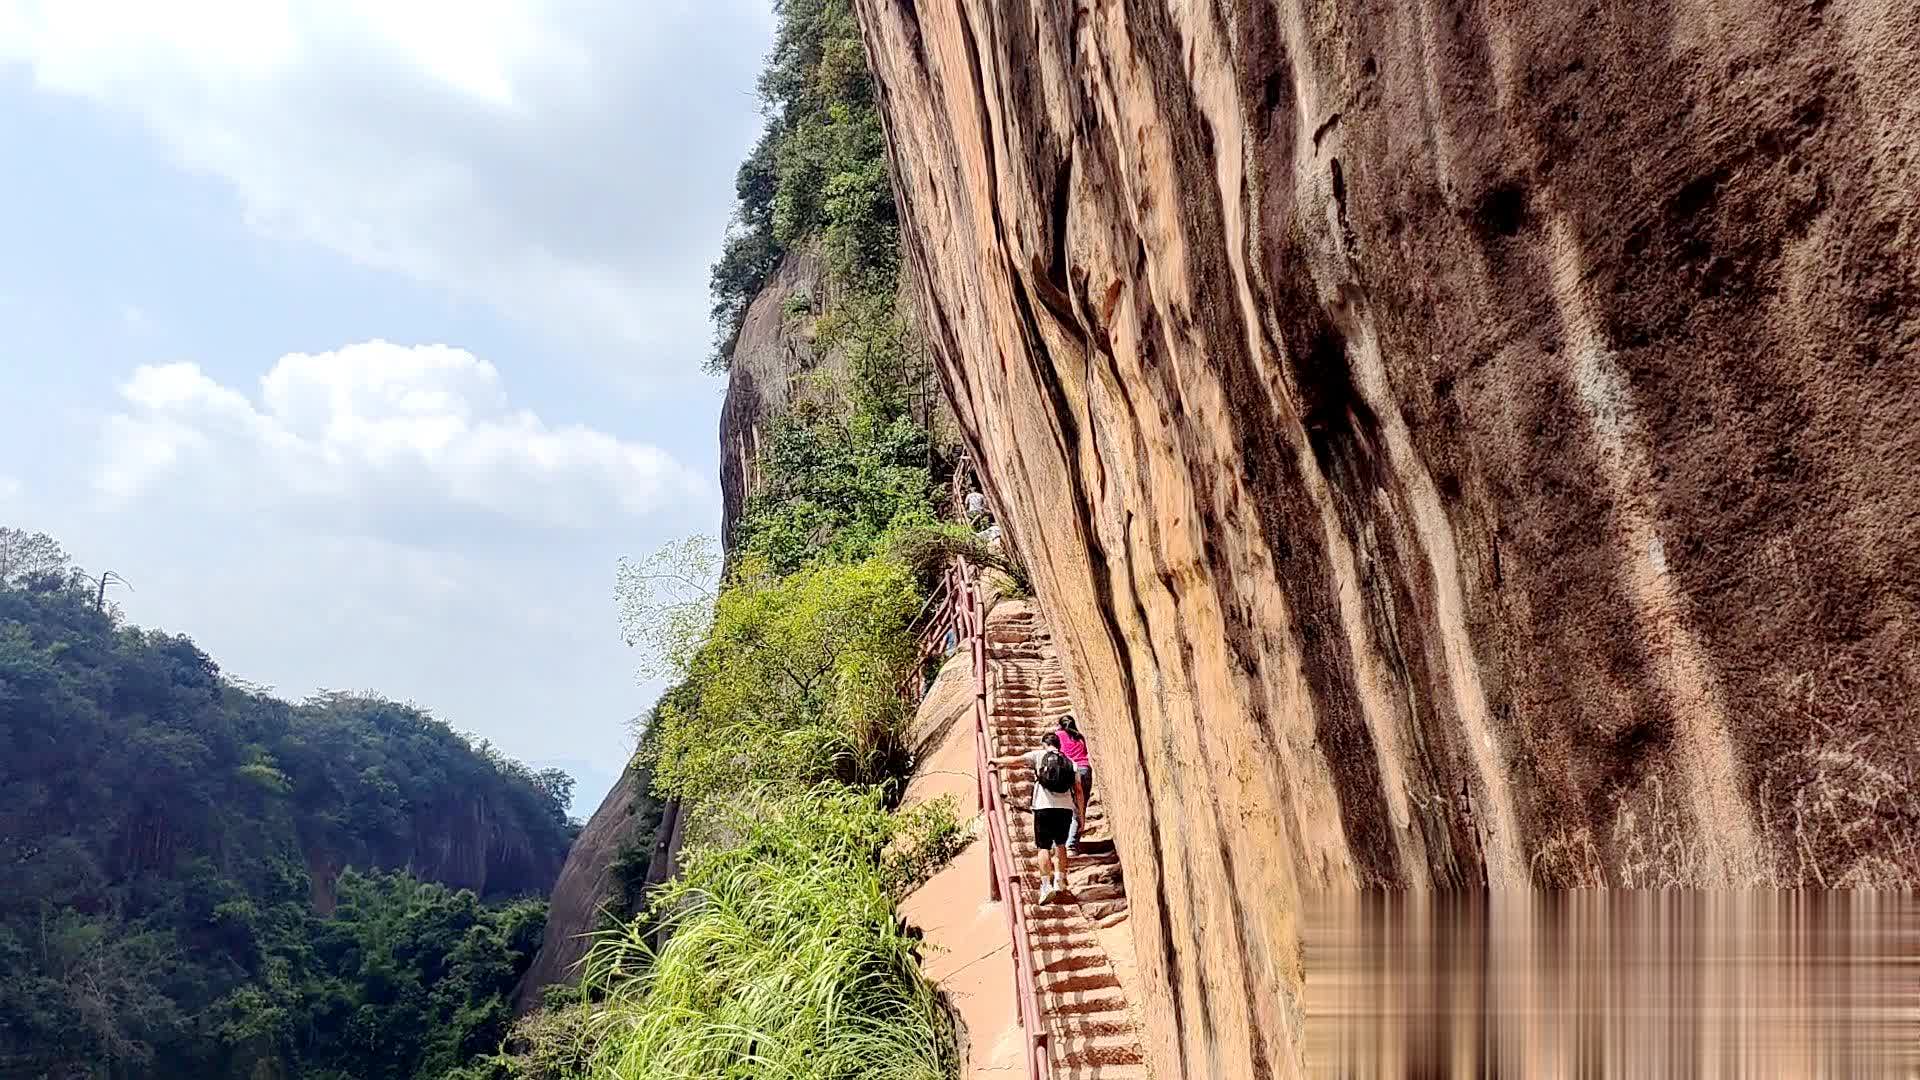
(1046, 887)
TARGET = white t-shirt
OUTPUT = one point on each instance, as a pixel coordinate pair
(1044, 799)
(976, 503)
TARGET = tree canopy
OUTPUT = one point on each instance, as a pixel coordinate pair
(169, 838)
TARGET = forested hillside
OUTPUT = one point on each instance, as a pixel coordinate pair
(778, 950)
(174, 898)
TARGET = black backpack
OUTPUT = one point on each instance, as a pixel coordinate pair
(1055, 772)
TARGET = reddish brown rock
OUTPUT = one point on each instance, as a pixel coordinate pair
(1455, 442)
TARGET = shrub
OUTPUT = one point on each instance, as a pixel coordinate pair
(926, 839)
(797, 683)
(928, 548)
(786, 959)
(833, 485)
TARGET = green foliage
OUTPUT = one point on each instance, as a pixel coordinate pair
(929, 548)
(786, 959)
(797, 683)
(553, 1043)
(666, 604)
(784, 956)
(406, 980)
(157, 823)
(832, 487)
(819, 172)
(926, 838)
(28, 558)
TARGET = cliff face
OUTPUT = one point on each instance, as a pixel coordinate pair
(586, 883)
(461, 842)
(771, 355)
(773, 351)
(1455, 442)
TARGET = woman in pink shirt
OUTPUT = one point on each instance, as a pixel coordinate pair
(1074, 746)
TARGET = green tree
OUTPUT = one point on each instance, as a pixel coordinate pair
(665, 602)
(157, 825)
(819, 173)
(833, 486)
(26, 557)
(798, 682)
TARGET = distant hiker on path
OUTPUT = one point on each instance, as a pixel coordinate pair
(976, 508)
(1054, 781)
(1074, 746)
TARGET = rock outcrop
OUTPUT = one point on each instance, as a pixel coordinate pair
(462, 841)
(771, 355)
(1455, 442)
(587, 882)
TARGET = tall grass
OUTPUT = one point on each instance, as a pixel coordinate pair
(786, 959)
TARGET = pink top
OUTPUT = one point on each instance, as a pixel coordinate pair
(1075, 749)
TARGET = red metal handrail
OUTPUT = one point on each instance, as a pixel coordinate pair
(939, 614)
(1002, 880)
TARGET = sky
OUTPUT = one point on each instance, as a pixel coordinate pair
(363, 337)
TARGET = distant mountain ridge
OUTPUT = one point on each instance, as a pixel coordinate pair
(168, 839)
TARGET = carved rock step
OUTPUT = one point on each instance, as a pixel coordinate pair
(1089, 1026)
(1084, 1002)
(1087, 978)
(1096, 1050)
(1090, 1030)
(1101, 1072)
(1070, 959)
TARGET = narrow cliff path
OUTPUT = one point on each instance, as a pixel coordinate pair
(968, 955)
(1082, 948)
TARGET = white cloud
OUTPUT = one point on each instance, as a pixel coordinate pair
(418, 444)
(565, 162)
(9, 488)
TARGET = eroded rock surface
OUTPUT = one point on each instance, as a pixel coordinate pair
(1455, 442)
(585, 886)
(772, 354)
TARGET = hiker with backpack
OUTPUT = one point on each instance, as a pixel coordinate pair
(1074, 746)
(1054, 783)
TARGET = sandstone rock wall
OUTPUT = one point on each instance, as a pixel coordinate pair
(460, 841)
(1456, 442)
(771, 356)
(586, 884)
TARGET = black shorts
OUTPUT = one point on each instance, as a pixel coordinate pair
(1050, 827)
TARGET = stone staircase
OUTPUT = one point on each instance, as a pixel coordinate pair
(1092, 1032)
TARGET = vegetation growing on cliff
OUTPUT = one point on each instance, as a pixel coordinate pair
(797, 683)
(784, 955)
(786, 958)
(833, 484)
(158, 823)
(783, 737)
(818, 174)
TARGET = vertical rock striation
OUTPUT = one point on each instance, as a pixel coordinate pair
(1456, 442)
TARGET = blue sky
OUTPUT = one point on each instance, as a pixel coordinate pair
(364, 337)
